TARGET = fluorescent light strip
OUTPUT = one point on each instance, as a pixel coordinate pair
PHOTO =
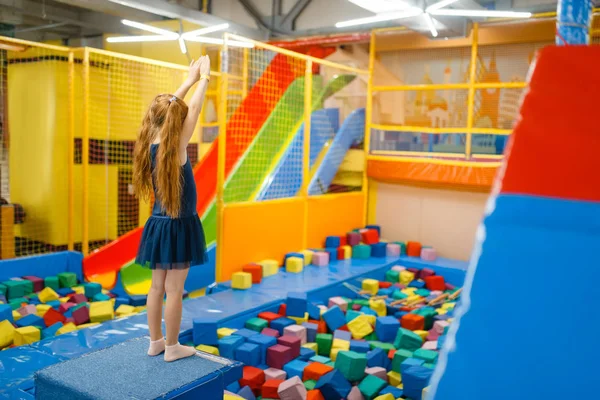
(431, 25)
(381, 6)
(182, 45)
(204, 31)
(439, 5)
(411, 12)
(131, 39)
(149, 28)
(481, 13)
(209, 40)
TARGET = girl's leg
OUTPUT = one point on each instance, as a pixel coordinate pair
(154, 311)
(174, 287)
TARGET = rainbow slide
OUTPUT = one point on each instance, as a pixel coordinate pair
(103, 265)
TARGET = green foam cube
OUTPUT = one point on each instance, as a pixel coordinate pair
(67, 279)
(375, 344)
(361, 302)
(428, 313)
(310, 384)
(371, 386)
(402, 248)
(361, 252)
(371, 337)
(28, 286)
(398, 295)
(324, 342)
(429, 365)
(399, 357)
(406, 339)
(351, 364)
(392, 276)
(422, 292)
(429, 356)
(256, 324)
(16, 289)
(15, 304)
(52, 282)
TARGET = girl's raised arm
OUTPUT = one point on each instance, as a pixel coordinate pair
(200, 70)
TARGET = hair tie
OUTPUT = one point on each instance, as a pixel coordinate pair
(172, 99)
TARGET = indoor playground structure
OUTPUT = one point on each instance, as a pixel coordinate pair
(334, 175)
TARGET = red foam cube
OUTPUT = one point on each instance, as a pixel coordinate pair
(278, 356)
(269, 316)
(371, 236)
(78, 298)
(343, 241)
(282, 309)
(384, 284)
(255, 270)
(52, 316)
(81, 315)
(413, 249)
(254, 378)
(321, 325)
(391, 353)
(269, 388)
(314, 394)
(340, 253)
(270, 332)
(435, 282)
(292, 342)
(38, 283)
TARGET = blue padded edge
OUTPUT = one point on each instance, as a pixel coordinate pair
(43, 265)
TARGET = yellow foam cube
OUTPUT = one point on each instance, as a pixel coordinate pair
(394, 378)
(26, 335)
(347, 252)
(441, 311)
(360, 327)
(125, 309)
(208, 349)
(371, 286)
(101, 311)
(42, 309)
(7, 333)
(406, 277)
(70, 327)
(241, 280)
(140, 309)
(307, 256)
(64, 299)
(16, 315)
(423, 334)
(409, 291)
(313, 346)
(47, 294)
(371, 319)
(88, 325)
(231, 396)
(197, 293)
(299, 320)
(387, 396)
(222, 332)
(269, 267)
(334, 353)
(379, 307)
(78, 289)
(340, 344)
(294, 265)
(448, 306)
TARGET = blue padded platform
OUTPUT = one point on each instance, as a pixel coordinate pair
(43, 265)
(124, 371)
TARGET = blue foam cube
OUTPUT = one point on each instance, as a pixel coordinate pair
(376, 358)
(333, 253)
(295, 368)
(359, 347)
(297, 304)
(68, 313)
(246, 393)
(320, 359)
(442, 317)
(54, 304)
(334, 318)
(6, 312)
(351, 315)
(379, 250)
(245, 333)
(376, 227)
(101, 297)
(334, 385)
(119, 301)
(233, 387)
(367, 310)
(386, 328)
(30, 320)
(91, 289)
(137, 300)
(343, 335)
(264, 342)
(332, 242)
(51, 330)
(417, 284)
(314, 312)
(279, 324)
(65, 292)
(414, 379)
(248, 354)
(400, 314)
(227, 346)
(306, 354)
(311, 331)
(410, 362)
(34, 300)
(385, 292)
(288, 255)
(394, 391)
(205, 332)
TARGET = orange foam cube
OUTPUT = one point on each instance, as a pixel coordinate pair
(413, 322)
(314, 394)
(413, 249)
(269, 389)
(315, 371)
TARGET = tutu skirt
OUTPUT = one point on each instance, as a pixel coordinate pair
(172, 243)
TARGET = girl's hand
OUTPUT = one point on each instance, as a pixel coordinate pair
(194, 72)
(204, 65)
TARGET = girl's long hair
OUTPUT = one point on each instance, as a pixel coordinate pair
(164, 118)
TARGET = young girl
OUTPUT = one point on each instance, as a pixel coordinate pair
(173, 238)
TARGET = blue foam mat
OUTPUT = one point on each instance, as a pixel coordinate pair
(107, 374)
(43, 265)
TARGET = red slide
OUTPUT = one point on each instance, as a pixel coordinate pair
(103, 264)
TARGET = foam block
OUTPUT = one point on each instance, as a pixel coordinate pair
(264, 342)
(30, 320)
(26, 335)
(361, 252)
(324, 341)
(334, 318)
(6, 312)
(370, 236)
(204, 332)
(101, 311)
(320, 259)
(415, 379)
(342, 335)
(386, 328)
(38, 283)
(81, 315)
(379, 372)
(101, 297)
(370, 285)
(248, 353)
(435, 282)
(353, 238)
(294, 265)
(391, 390)
(392, 250)
(352, 365)
(255, 270)
(355, 394)
(376, 357)
(228, 345)
(332, 241)
(246, 393)
(359, 346)
(270, 332)
(379, 307)
(280, 324)
(91, 289)
(51, 330)
(269, 388)
(406, 277)
(379, 250)
(78, 298)
(278, 356)
(293, 254)
(311, 331)
(370, 386)
(308, 254)
(253, 378)
(428, 254)
(429, 356)
(296, 304)
(255, 324)
(241, 280)
(27, 310)
(67, 279)
(399, 357)
(413, 249)
(274, 374)
(314, 394)
(406, 339)
(296, 331)
(7, 333)
(292, 342)
(269, 267)
(430, 345)
(292, 389)
(360, 327)
(387, 396)
(333, 386)
(413, 322)
(295, 368)
(47, 294)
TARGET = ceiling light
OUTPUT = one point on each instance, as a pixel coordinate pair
(209, 40)
(411, 12)
(204, 31)
(131, 39)
(481, 13)
(182, 45)
(440, 4)
(431, 25)
(381, 6)
(149, 28)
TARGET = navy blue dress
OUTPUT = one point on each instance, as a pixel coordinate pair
(173, 243)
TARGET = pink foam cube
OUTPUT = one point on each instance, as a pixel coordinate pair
(433, 335)
(320, 259)
(430, 345)
(450, 286)
(298, 331)
(392, 250)
(340, 302)
(356, 307)
(436, 293)
(38, 283)
(270, 332)
(355, 394)
(81, 315)
(425, 272)
(69, 320)
(439, 326)
(353, 238)
(428, 254)
(64, 307)
(378, 372)
(292, 389)
(274, 374)
(27, 310)
(398, 268)
(78, 298)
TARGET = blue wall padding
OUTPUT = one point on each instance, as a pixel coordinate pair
(286, 179)
(113, 370)
(522, 232)
(351, 131)
(43, 266)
